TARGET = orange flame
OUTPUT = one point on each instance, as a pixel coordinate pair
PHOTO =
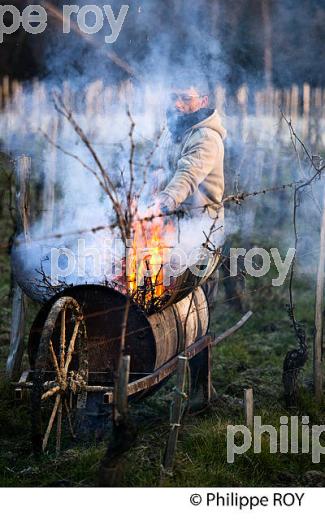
(146, 260)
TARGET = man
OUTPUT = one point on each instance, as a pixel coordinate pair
(195, 159)
(196, 183)
(196, 152)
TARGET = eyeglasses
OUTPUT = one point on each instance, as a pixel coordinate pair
(183, 97)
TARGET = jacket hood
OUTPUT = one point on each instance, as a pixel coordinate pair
(213, 121)
(179, 123)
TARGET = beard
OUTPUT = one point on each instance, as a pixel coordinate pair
(178, 122)
(174, 121)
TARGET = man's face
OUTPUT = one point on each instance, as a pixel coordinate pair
(187, 100)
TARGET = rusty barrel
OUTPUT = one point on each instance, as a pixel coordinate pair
(151, 341)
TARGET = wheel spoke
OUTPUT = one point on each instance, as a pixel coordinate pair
(59, 429)
(62, 338)
(55, 362)
(50, 392)
(69, 419)
(71, 346)
(51, 421)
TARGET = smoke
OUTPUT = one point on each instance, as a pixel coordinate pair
(84, 70)
(87, 73)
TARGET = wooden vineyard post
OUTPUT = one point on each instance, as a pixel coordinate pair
(249, 407)
(124, 432)
(200, 376)
(319, 304)
(121, 390)
(257, 181)
(287, 101)
(242, 99)
(306, 111)
(49, 181)
(317, 118)
(19, 300)
(5, 91)
(176, 416)
(294, 103)
(209, 379)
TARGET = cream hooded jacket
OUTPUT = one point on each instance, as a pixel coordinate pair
(196, 164)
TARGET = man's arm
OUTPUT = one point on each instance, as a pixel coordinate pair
(192, 168)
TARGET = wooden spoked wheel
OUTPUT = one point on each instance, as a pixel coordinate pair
(59, 376)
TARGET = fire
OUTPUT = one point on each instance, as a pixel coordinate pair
(145, 269)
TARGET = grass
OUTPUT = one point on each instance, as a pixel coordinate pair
(251, 358)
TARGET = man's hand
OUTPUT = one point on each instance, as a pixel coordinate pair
(166, 202)
(155, 210)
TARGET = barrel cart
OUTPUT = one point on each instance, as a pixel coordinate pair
(74, 346)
